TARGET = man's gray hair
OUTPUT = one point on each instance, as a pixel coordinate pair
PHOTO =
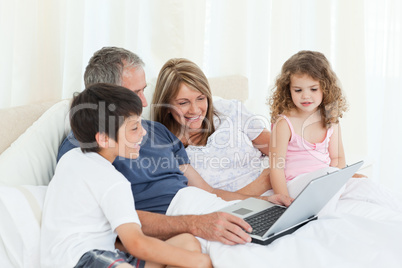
(107, 65)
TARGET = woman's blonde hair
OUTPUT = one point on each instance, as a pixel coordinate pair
(316, 65)
(173, 74)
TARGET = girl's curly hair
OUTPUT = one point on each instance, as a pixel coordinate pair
(316, 65)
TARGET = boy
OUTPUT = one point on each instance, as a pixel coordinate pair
(88, 201)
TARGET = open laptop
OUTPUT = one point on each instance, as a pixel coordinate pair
(280, 220)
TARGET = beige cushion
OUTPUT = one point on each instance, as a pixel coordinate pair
(31, 159)
(14, 121)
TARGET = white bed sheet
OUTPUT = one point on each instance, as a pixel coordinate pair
(359, 233)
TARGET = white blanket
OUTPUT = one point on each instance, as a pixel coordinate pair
(364, 230)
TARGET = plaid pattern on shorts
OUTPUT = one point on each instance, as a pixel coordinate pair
(107, 259)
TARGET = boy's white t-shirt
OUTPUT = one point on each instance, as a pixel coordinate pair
(85, 201)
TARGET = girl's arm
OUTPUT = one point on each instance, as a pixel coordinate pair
(280, 137)
(335, 149)
(157, 251)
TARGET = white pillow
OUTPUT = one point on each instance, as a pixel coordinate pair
(31, 159)
(21, 213)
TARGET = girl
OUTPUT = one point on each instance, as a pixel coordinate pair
(306, 105)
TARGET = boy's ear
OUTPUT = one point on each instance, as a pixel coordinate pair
(102, 139)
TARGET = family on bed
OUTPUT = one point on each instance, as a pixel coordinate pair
(217, 146)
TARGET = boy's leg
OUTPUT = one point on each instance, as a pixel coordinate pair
(108, 259)
(124, 265)
(185, 241)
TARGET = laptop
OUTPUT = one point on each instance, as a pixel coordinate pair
(280, 220)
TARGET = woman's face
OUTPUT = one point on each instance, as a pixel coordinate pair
(189, 108)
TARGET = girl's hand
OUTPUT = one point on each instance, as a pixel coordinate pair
(357, 175)
(280, 199)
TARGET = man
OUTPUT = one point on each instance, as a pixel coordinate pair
(163, 167)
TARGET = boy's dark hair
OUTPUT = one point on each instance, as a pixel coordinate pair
(101, 108)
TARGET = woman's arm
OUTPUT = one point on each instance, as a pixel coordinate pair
(280, 137)
(335, 149)
(262, 141)
(195, 179)
(258, 186)
(262, 183)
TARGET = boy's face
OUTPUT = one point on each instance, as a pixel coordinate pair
(130, 137)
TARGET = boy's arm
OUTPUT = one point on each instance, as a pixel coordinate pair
(154, 250)
(280, 137)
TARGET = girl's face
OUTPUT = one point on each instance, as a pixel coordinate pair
(189, 108)
(306, 92)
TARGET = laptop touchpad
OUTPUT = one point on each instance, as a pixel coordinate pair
(242, 211)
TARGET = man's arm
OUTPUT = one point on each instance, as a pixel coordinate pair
(217, 226)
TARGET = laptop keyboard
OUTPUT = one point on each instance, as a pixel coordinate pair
(263, 220)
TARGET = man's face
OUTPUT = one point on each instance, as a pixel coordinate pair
(134, 80)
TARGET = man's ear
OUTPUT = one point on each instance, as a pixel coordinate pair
(102, 139)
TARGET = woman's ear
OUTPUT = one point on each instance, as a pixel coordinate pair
(102, 139)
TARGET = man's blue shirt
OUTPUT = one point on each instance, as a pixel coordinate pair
(155, 176)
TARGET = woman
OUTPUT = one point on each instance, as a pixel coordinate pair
(226, 143)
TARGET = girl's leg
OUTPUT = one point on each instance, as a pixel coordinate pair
(366, 190)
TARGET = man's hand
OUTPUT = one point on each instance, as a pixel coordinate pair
(222, 227)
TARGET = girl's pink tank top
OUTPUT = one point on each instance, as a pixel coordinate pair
(303, 156)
